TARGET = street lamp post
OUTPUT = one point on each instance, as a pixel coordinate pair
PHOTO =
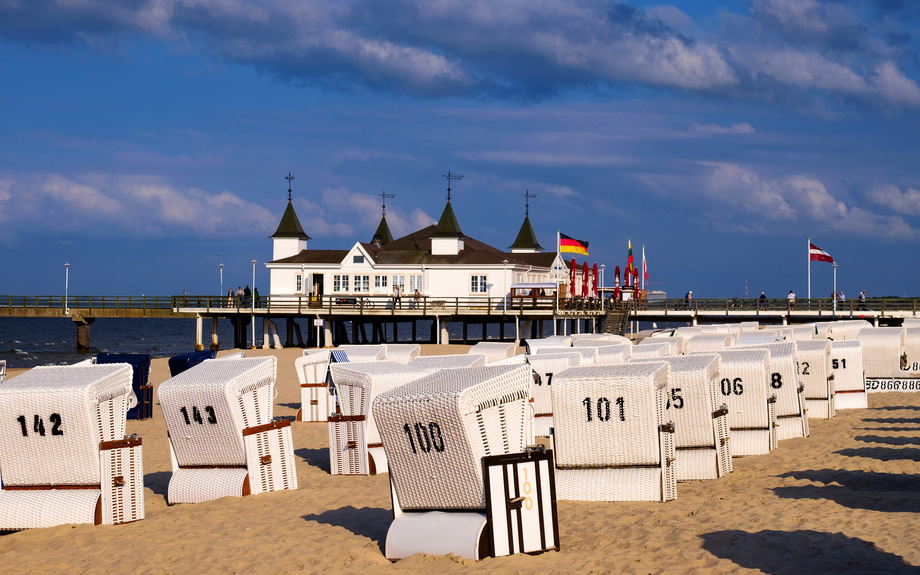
(252, 306)
(221, 292)
(835, 288)
(66, 285)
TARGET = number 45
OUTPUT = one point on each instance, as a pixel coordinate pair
(676, 398)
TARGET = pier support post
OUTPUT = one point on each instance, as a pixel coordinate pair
(465, 331)
(289, 342)
(517, 332)
(199, 322)
(445, 337)
(265, 322)
(215, 344)
(527, 328)
(327, 333)
(414, 329)
(83, 323)
(542, 329)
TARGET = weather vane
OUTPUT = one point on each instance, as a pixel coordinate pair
(527, 195)
(449, 179)
(289, 177)
(385, 195)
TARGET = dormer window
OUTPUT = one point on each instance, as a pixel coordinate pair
(357, 260)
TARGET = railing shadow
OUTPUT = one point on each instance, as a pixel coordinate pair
(885, 492)
(882, 453)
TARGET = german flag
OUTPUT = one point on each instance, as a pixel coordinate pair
(567, 244)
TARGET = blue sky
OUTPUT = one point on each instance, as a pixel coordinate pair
(146, 142)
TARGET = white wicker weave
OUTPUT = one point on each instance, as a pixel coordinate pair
(845, 330)
(883, 350)
(678, 344)
(66, 429)
(714, 328)
(402, 352)
(688, 332)
(434, 363)
(435, 431)
(849, 378)
(748, 339)
(354, 443)
(814, 368)
(744, 385)
(555, 341)
(798, 332)
(493, 350)
(650, 351)
(364, 353)
(588, 354)
(314, 393)
(2, 370)
(546, 365)
(610, 439)
(709, 342)
(791, 413)
(615, 354)
(219, 417)
(701, 434)
(576, 337)
(911, 322)
(519, 359)
(912, 349)
(749, 326)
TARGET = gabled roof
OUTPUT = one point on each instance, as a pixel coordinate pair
(383, 230)
(290, 226)
(447, 227)
(526, 239)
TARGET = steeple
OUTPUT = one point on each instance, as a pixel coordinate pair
(447, 227)
(289, 238)
(447, 239)
(526, 241)
(383, 234)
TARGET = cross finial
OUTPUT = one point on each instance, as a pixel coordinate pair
(289, 177)
(527, 195)
(449, 179)
(385, 195)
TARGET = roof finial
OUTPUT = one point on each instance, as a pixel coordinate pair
(527, 195)
(289, 177)
(385, 195)
(449, 178)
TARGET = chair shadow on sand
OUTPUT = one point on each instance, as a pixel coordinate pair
(370, 522)
(897, 408)
(803, 552)
(888, 440)
(892, 420)
(886, 492)
(316, 458)
(158, 482)
(882, 453)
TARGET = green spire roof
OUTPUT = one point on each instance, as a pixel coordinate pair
(383, 230)
(447, 227)
(290, 226)
(526, 239)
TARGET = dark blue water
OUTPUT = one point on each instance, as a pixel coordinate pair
(28, 342)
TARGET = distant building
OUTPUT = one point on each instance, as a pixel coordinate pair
(438, 261)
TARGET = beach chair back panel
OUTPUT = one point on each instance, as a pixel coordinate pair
(435, 434)
(493, 351)
(784, 381)
(521, 503)
(847, 366)
(364, 353)
(207, 408)
(613, 354)
(312, 367)
(51, 428)
(912, 350)
(546, 366)
(709, 342)
(744, 385)
(122, 481)
(650, 351)
(2, 370)
(813, 359)
(268, 454)
(609, 415)
(883, 348)
(588, 354)
(432, 363)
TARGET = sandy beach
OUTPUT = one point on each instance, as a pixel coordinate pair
(840, 501)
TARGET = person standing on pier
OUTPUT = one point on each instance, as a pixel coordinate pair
(842, 298)
(791, 299)
(397, 293)
(230, 297)
(862, 300)
(689, 299)
(247, 295)
(257, 297)
(763, 302)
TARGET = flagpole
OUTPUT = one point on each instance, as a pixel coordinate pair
(808, 254)
(643, 267)
(558, 242)
(835, 288)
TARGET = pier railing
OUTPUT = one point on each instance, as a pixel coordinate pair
(774, 306)
(86, 302)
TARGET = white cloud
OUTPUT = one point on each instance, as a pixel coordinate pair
(547, 158)
(670, 15)
(366, 209)
(741, 128)
(906, 202)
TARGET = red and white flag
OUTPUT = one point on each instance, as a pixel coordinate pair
(816, 254)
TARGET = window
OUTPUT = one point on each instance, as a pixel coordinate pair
(380, 284)
(340, 283)
(479, 284)
(362, 284)
(401, 282)
(357, 259)
(299, 282)
(415, 283)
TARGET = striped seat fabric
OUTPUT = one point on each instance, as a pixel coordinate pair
(611, 440)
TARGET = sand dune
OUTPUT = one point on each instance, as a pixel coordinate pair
(843, 501)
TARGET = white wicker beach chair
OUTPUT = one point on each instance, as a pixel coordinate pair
(744, 386)
(2, 370)
(223, 440)
(588, 354)
(611, 440)
(312, 368)
(519, 359)
(364, 353)
(354, 443)
(715, 328)
(435, 431)
(688, 332)
(912, 350)
(791, 405)
(701, 435)
(433, 363)
(546, 365)
(814, 368)
(847, 329)
(615, 354)
(532, 345)
(402, 352)
(709, 342)
(884, 351)
(576, 337)
(849, 376)
(678, 344)
(797, 333)
(493, 350)
(616, 340)
(911, 322)
(650, 351)
(63, 450)
(747, 339)
(747, 326)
